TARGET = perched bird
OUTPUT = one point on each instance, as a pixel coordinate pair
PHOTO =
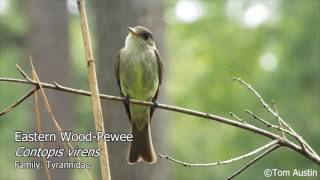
(138, 71)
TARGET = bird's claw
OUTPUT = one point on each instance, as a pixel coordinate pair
(155, 104)
(126, 101)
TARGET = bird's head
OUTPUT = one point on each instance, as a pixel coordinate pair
(140, 37)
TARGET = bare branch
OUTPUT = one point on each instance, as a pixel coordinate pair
(160, 106)
(269, 124)
(237, 118)
(20, 100)
(255, 151)
(258, 118)
(67, 145)
(23, 73)
(284, 142)
(298, 138)
(280, 124)
(253, 161)
(267, 107)
(264, 104)
(95, 100)
(39, 130)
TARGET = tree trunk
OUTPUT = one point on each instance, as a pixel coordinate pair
(112, 21)
(48, 44)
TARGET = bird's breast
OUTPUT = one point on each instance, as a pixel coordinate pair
(139, 75)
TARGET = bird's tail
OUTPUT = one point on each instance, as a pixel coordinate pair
(141, 148)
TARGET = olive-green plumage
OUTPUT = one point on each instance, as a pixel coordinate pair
(138, 71)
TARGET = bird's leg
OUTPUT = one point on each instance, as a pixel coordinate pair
(126, 100)
(155, 104)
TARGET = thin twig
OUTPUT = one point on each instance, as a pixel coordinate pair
(20, 100)
(39, 130)
(67, 145)
(23, 73)
(269, 124)
(280, 124)
(264, 104)
(93, 83)
(237, 118)
(314, 157)
(278, 128)
(253, 161)
(255, 151)
(258, 118)
(267, 107)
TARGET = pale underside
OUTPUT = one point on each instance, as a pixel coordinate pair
(139, 79)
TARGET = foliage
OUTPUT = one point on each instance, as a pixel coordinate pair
(206, 54)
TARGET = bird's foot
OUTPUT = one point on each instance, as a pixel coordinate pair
(126, 100)
(155, 104)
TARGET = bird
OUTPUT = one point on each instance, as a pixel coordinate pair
(138, 71)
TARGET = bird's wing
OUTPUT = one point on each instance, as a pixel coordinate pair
(160, 66)
(116, 73)
(116, 70)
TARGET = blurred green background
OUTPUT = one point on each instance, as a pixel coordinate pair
(272, 44)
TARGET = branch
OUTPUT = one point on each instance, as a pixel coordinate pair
(39, 130)
(20, 100)
(283, 142)
(278, 141)
(67, 145)
(269, 124)
(275, 114)
(95, 100)
(253, 161)
(278, 128)
(255, 151)
(59, 87)
(280, 124)
(237, 118)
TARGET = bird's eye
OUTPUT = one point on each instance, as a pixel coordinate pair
(145, 36)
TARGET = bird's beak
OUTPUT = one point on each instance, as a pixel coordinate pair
(132, 31)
